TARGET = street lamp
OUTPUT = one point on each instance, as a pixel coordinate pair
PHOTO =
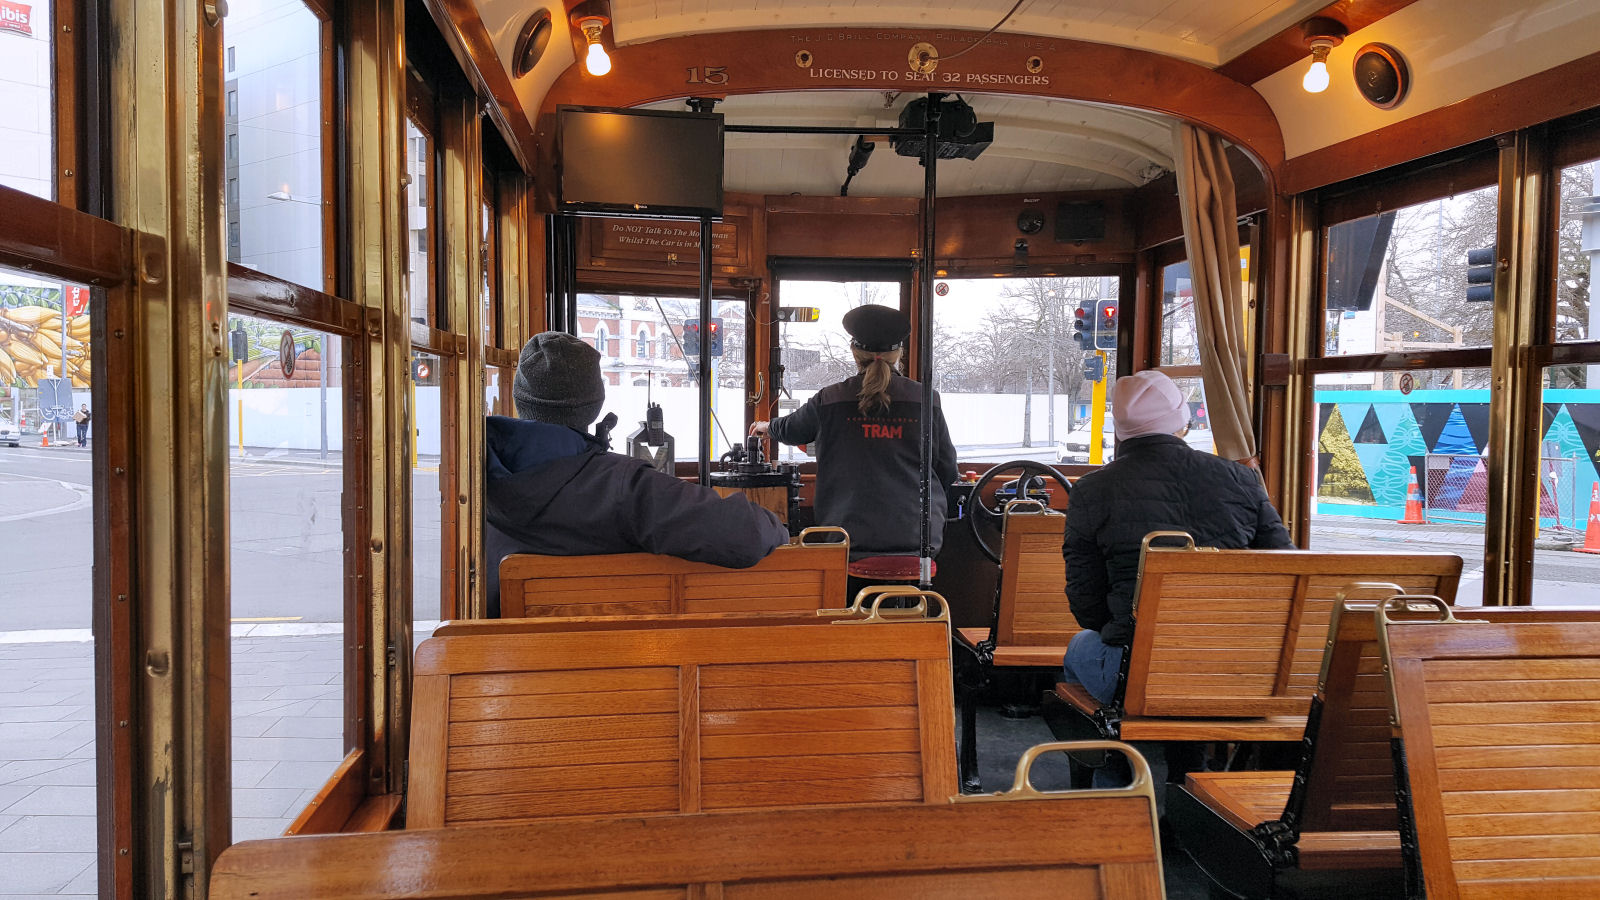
(286, 197)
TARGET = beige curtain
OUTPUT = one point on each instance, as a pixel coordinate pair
(1211, 236)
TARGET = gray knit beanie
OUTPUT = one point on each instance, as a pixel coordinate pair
(558, 381)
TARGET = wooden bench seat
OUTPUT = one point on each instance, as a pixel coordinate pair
(1031, 622)
(1258, 834)
(1227, 644)
(800, 577)
(1007, 845)
(1498, 723)
(668, 716)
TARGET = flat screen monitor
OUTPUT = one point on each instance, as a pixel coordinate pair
(639, 162)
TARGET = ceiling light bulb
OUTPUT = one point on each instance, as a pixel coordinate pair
(596, 61)
(1316, 80)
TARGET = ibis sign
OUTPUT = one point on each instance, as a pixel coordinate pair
(17, 17)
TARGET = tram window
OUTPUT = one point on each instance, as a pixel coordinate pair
(1577, 259)
(286, 562)
(275, 166)
(27, 156)
(1012, 378)
(488, 287)
(1568, 485)
(420, 222)
(1180, 337)
(1199, 434)
(497, 391)
(635, 379)
(1373, 430)
(427, 494)
(1397, 282)
(816, 353)
(47, 704)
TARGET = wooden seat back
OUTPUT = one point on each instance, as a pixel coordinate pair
(666, 716)
(799, 577)
(1033, 610)
(1241, 633)
(1010, 846)
(1500, 728)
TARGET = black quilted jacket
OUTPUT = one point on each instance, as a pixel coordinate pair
(1156, 483)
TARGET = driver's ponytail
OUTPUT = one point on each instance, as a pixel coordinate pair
(877, 371)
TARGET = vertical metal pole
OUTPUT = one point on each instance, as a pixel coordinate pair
(569, 266)
(930, 188)
(322, 390)
(705, 350)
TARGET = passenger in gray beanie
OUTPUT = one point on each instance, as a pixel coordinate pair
(553, 488)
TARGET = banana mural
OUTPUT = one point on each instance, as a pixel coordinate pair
(30, 341)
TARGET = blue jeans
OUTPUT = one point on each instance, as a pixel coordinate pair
(1092, 664)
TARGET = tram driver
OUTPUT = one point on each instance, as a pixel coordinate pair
(553, 488)
(866, 432)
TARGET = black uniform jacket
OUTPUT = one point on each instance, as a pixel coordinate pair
(1156, 483)
(556, 491)
(869, 467)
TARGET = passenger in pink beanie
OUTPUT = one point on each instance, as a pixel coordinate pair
(1156, 483)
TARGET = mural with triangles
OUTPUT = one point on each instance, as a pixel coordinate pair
(1448, 431)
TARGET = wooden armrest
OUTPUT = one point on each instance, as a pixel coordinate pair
(1276, 728)
(1077, 697)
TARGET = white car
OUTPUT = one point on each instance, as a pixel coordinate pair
(1076, 446)
(9, 433)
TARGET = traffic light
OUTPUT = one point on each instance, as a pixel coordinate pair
(715, 343)
(1105, 325)
(691, 337)
(240, 342)
(1083, 324)
(1480, 275)
(1094, 368)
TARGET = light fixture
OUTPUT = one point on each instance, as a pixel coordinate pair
(1321, 36)
(531, 42)
(595, 61)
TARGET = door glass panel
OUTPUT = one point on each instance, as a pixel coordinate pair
(1578, 255)
(1399, 281)
(27, 95)
(1569, 490)
(427, 494)
(1013, 378)
(47, 696)
(286, 562)
(419, 224)
(273, 125)
(1401, 464)
(646, 357)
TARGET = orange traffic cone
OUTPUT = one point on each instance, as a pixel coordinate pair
(1591, 531)
(44, 438)
(1413, 514)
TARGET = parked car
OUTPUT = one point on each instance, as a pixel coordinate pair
(9, 433)
(1075, 449)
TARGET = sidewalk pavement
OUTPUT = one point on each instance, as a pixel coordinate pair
(288, 727)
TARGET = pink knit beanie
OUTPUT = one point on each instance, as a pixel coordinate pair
(1148, 403)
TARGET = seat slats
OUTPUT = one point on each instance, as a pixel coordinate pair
(1502, 816)
(1010, 849)
(672, 715)
(793, 578)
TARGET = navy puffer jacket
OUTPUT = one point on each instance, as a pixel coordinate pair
(1156, 483)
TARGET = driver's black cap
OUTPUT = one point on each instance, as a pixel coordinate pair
(877, 329)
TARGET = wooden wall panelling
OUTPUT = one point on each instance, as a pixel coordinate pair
(978, 232)
(843, 227)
